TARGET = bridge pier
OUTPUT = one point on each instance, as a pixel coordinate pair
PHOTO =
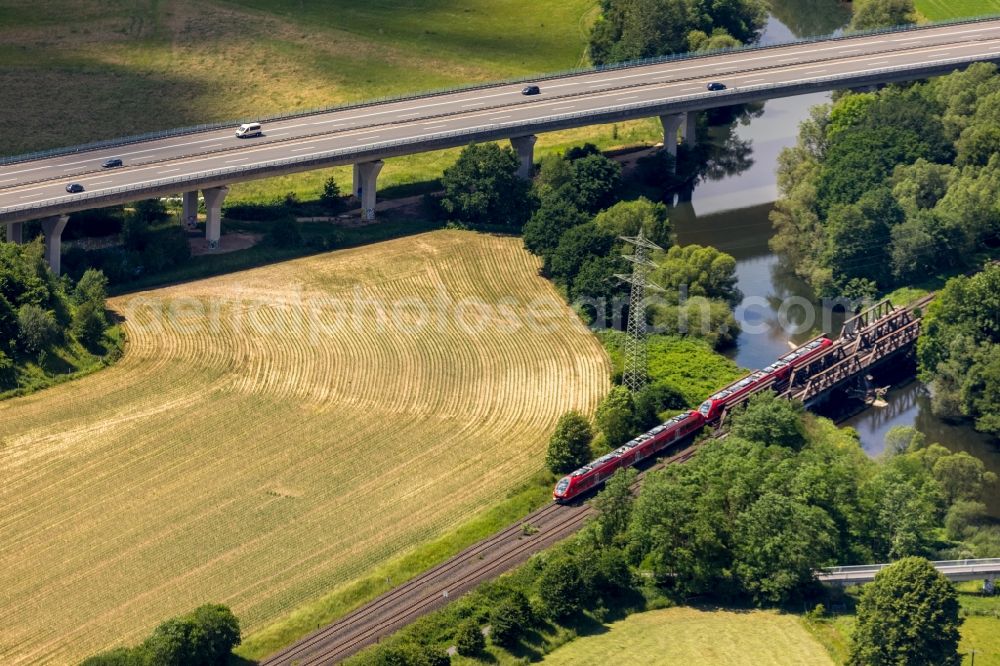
(525, 147)
(190, 203)
(365, 178)
(53, 227)
(214, 196)
(689, 129)
(670, 126)
(15, 232)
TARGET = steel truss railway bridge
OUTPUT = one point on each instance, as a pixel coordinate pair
(210, 158)
(871, 338)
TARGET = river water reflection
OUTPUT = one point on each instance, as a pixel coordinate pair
(731, 213)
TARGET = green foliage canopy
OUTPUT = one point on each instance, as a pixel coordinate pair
(908, 615)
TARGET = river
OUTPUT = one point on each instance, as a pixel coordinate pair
(731, 213)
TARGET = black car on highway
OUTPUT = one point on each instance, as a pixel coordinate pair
(530, 90)
(73, 188)
(715, 85)
(111, 163)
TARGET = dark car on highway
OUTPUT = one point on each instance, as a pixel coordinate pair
(73, 188)
(113, 162)
(715, 85)
(530, 90)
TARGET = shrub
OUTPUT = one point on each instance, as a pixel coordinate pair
(505, 624)
(469, 638)
(286, 232)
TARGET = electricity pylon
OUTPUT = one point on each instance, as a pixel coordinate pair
(635, 375)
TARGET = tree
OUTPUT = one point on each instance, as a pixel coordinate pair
(554, 216)
(483, 187)
(614, 505)
(901, 439)
(962, 515)
(869, 14)
(89, 322)
(595, 180)
(904, 501)
(963, 477)
(778, 543)
(908, 615)
(697, 317)
(560, 587)
(626, 218)
(719, 39)
(506, 624)
(92, 286)
(216, 632)
(596, 280)
(615, 416)
(919, 245)
(576, 246)
(768, 419)
(694, 270)
(330, 197)
(172, 643)
(653, 399)
(569, 446)
(37, 327)
(469, 638)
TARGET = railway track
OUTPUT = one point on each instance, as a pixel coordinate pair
(434, 588)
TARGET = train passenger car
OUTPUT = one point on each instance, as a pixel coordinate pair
(783, 367)
(645, 445)
(712, 408)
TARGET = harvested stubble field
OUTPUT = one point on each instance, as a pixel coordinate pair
(256, 447)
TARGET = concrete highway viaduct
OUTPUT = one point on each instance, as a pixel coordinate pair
(210, 158)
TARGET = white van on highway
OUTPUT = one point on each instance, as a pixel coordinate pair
(247, 130)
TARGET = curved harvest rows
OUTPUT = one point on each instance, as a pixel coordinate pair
(268, 436)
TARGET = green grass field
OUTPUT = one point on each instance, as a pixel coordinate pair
(80, 70)
(266, 435)
(692, 636)
(938, 10)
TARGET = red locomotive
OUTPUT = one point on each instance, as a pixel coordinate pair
(678, 427)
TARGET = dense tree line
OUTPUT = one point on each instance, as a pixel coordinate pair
(41, 315)
(634, 29)
(203, 637)
(884, 188)
(959, 349)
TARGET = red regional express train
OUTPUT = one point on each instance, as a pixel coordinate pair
(678, 427)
